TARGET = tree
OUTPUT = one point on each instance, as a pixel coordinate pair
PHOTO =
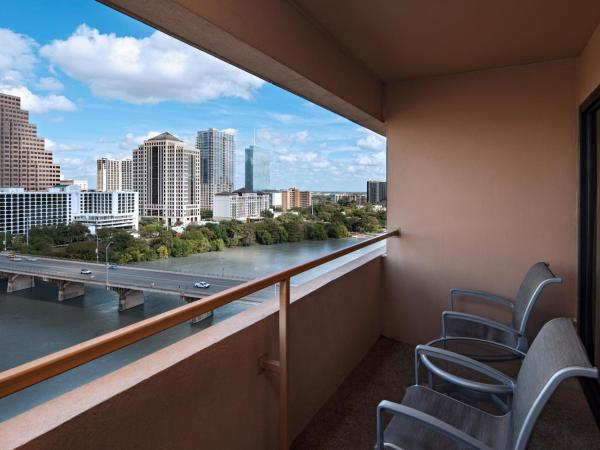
(163, 251)
(267, 213)
(264, 237)
(206, 214)
(337, 230)
(182, 247)
(316, 232)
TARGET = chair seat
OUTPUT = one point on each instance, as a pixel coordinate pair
(408, 434)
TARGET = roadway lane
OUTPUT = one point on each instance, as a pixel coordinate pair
(123, 276)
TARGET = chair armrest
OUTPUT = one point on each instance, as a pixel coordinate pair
(506, 384)
(476, 319)
(480, 294)
(427, 420)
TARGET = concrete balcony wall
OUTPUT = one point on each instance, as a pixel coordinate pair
(206, 391)
(482, 179)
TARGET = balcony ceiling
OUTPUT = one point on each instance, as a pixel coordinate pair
(399, 39)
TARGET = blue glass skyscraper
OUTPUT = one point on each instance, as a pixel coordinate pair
(258, 168)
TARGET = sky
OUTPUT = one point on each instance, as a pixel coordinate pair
(97, 83)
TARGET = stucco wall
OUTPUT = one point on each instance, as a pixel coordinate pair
(205, 391)
(482, 179)
(589, 67)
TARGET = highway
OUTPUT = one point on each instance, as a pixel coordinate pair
(122, 277)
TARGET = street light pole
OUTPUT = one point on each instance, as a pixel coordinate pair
(27, 233)
(97, 254)
(106, 253)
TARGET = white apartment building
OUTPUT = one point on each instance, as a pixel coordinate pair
(240, 205)
(166, 175)
(21, 210)
(114, 175)
(217, 150)
(108, 210)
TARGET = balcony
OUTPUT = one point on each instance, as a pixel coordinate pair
(491, 117)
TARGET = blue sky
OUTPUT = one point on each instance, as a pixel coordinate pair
(97, 83)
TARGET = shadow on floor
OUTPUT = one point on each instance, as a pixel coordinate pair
(347, 420)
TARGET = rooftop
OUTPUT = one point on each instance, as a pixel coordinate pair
(166, 136)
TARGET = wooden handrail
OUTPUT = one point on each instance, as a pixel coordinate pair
(30, 373)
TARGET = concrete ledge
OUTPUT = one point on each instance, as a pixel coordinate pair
(205, 391)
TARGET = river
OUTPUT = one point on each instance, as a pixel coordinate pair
(33, 323)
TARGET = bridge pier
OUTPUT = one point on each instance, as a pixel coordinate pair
(201, 317)
(69, 289)
(18, 282)
(128, 298)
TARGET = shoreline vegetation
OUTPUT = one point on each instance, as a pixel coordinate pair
(324, 220)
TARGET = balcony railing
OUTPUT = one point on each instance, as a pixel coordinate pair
(33, 372)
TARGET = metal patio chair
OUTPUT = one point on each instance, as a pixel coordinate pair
(427, 419)
(508, 337)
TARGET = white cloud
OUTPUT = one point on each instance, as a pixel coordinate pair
(132, 140)
(370, 140)
(17, 58)
(377, 159)
(49, 84)
(17, 64)
(229, 131)
(300, 136)
(277, 139)
(283, 118)
(147, 70)
(51, 145)
(39, 104)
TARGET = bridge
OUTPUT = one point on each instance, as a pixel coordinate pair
(128, 282)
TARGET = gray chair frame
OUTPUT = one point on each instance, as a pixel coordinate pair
(505, 386)
(517, 330)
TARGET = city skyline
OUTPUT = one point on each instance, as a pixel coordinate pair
(103, 112)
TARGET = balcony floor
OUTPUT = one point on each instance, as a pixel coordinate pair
(347, 420)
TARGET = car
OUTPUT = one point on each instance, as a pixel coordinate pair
(16, 258)
(31, 259)
(202, 285)
(113, 266)
(86, 272)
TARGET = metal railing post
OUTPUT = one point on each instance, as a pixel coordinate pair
(284, 323)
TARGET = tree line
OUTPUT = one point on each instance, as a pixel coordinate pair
(323, 221)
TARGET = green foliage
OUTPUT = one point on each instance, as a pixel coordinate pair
(163, 251)
(267, 213)
(324, 220)
(315, 232)
(206, 214)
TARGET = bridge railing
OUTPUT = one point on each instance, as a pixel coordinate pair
(33, 372)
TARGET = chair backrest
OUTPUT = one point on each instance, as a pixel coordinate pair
(555, 355)
(538, 276)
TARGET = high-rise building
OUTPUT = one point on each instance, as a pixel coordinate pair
(376, 191)
(295, 198)
(166, 175)
(24, 160)
(217, 150)
(258, 168)
(114, 175)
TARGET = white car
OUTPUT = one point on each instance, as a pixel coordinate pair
(202, 285)
(86, 272)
